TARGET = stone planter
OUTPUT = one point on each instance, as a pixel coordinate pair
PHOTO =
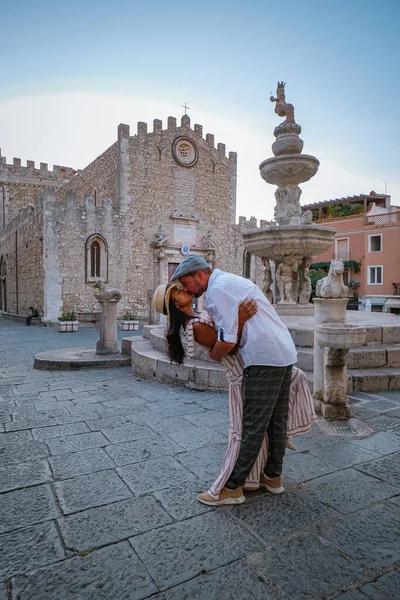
(67, 326)
(129, 325)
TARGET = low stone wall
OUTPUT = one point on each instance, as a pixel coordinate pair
(21, 318)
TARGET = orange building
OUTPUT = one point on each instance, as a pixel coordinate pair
(368, 232)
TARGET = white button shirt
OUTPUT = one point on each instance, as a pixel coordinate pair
(265, 339)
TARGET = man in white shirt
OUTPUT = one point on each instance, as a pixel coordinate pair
(268, 353)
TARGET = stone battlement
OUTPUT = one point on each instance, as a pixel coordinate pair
(16, 171)
(142, 130)
(252, 223)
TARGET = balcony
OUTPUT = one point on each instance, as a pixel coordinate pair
(383, 219)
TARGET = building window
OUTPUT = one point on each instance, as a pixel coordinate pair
(96, 250)
(2, 208)
(375, 275)
(3, 285)
(246, 264)
(95, 259)
(342, 249)
(375, 243)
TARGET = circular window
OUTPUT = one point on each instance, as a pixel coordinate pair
(185, 151)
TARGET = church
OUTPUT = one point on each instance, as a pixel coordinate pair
(128, 218)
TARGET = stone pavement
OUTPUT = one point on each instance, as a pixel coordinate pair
(99, 473)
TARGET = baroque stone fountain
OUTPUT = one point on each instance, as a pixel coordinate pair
(291, 240)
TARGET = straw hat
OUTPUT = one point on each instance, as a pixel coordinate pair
(158, 299)
(161, 298)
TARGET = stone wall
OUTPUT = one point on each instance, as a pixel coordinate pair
(97, 181)
(21, 246)
(22, 185)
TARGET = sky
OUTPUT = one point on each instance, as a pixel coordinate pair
(71, 72)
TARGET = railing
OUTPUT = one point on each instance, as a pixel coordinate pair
(383, 219)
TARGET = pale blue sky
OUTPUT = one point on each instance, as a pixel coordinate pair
(70, 73)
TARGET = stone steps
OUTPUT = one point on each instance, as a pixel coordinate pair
(366, 357)
(151, 363)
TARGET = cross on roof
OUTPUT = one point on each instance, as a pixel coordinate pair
(185, 107)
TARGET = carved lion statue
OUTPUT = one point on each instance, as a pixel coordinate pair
(332, 286)
(106, 294)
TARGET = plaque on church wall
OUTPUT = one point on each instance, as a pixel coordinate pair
(184, 234)
(185, 151)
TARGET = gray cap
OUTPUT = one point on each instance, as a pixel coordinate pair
(191, 264)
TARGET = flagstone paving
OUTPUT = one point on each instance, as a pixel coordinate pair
(99, 472)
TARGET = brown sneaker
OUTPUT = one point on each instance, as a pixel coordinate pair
(226, 496)
(272, 484)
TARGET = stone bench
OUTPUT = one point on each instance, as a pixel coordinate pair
(21, 318)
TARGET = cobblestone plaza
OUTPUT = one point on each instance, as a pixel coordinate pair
(99, 472)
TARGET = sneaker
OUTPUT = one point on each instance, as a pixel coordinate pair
(289, 444)
(272, 484)
(226, 496)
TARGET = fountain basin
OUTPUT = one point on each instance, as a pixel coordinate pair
(298, 240)
(289, 169)
(343, 336)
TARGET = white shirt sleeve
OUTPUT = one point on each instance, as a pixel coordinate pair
(223, 308)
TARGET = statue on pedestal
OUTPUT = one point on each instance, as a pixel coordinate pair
(305, 288)
(266, 288)
(282, 108)
(285, 275)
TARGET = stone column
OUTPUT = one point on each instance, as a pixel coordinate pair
(332, 342)
(327, 310)
(108, 300)
(107, 344)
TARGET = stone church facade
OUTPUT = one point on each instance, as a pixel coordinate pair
(128, 218)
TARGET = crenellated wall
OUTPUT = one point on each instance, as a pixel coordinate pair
(143, 196)
(21, 185)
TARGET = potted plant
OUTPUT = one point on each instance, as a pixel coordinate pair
(129, 321)
(67, 321)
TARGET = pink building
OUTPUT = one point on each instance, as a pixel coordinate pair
(368, 232)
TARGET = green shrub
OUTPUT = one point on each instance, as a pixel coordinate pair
(67, 316)
(129, 316)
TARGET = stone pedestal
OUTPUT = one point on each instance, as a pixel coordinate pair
(294, 310)
(107, 344)
(332, 342)
(330, 310)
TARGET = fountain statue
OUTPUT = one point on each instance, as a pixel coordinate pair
(292, 240)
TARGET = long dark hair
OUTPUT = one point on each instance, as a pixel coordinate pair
(177, 321)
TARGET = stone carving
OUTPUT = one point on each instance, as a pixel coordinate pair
(289, 169)
(285, 278)
(282, 108)
(159, 238)
(305, 288)
(307, 217)
(332, 286)
(104, 293)
(287, 203)
(267, 282)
